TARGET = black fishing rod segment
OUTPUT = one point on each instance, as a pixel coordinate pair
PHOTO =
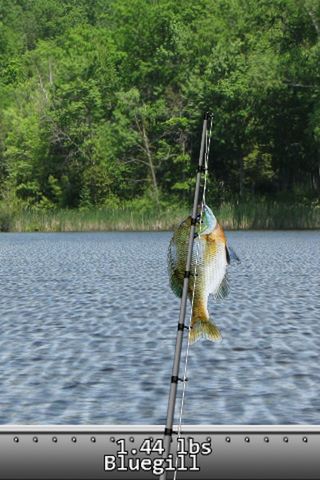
(196, 220)
(182, 327)
(201, 169)
(169, 431)
(178, 379)
(189, 274)
(203, 156)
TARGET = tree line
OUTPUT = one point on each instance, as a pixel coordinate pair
(102, 100)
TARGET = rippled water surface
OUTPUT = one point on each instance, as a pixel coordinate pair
(88, 326)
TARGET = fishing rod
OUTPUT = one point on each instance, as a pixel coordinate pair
(195, 218)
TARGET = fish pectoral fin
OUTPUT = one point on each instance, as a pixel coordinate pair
(223, 290)
(231, 255)
(204, 328)
(186, 222)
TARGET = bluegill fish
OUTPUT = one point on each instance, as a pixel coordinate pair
(210, 258)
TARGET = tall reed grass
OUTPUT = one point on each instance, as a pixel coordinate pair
(259, 215)
(93, 220)
(269, 216)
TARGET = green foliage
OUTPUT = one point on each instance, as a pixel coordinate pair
(102, 101)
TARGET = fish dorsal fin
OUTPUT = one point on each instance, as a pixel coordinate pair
(186, 222)
(223, 289)
(176, 283)
(176, 256)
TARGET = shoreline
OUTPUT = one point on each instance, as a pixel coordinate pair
(259, 216)
(317, 229)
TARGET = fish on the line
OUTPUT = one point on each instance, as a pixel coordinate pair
(210, 257)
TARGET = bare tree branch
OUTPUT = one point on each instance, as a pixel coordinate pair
(314, 20)
(136, 160)
(300, 85)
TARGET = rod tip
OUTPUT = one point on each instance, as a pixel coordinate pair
(207, 116)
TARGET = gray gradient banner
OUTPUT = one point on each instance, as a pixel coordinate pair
(134, 452)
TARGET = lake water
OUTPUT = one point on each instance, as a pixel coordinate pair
(88, 327)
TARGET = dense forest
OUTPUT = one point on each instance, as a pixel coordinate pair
(102, 101)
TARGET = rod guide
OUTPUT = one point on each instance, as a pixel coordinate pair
(201, 169)
(175, 379)
(181, 326)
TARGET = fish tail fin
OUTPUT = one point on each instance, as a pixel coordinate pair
(204, 328)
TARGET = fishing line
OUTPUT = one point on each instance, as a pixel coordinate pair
(203, 201)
